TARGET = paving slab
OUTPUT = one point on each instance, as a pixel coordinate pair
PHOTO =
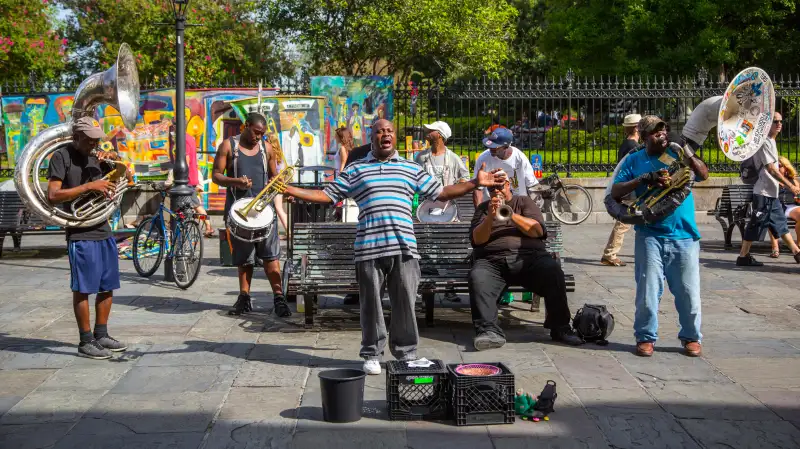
(250, 434)
(751, 434)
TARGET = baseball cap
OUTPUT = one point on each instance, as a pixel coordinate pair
(650, 123)
(500, 137)
(442, 127)
(88, 126)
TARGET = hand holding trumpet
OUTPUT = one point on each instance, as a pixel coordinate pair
(103, 186)
(659, 178)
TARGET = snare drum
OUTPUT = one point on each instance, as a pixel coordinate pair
(430, 211)
(257, 226)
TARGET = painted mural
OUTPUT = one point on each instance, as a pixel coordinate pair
(354, 102)
(210, 119)
(297, 121)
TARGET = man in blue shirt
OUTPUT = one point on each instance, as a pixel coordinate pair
(669, 248)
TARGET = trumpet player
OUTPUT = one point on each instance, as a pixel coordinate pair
(93, 258)
(669, 248)
(508, 236)
(383, 184)
(243, 166)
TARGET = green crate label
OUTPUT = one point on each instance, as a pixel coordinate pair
(423, 380)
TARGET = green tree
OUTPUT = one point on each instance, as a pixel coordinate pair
(358, 37)
(28, 41)
(229, 42)
(525, 56)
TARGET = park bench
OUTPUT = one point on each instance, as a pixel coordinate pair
(16, 220)
(733, 208)
(320, 261)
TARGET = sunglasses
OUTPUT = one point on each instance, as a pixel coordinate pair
(775, 122)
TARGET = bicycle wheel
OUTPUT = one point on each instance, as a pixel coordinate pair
(571, 205)
(188, 254)
(148, 247)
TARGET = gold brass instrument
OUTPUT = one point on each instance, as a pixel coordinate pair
(118, 87)
(265, 197)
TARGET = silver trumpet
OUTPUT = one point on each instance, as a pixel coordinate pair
(118, 87)
(504, 212)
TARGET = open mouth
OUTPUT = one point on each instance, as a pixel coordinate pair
(386, 142)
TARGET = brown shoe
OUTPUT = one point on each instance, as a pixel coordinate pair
(644, 348)
(615, 262)
(693, 348)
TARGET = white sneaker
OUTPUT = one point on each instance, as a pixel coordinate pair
(372, 367)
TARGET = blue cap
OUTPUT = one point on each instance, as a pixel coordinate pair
(500, 137)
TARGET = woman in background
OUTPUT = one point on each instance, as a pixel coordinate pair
(345, 139)
(790, 204)
(280, 163)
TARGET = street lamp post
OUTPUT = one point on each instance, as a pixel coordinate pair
(181, 192)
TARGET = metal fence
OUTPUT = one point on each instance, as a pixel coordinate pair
(574, 123)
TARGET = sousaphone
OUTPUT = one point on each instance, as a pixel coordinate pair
(118, 87)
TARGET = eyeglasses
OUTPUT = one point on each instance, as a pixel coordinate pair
(775, 122)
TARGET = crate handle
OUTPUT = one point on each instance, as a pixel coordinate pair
(486, 385)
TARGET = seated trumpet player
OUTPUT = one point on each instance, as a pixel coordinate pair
(76, 170)
(668, 247)
(383, 184)
(508, 236)
(243, 166)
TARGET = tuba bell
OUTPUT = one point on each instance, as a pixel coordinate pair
(118, 87)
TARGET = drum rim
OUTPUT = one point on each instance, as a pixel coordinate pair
(453, 204)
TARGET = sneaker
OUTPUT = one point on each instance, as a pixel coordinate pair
(372, 367)
(281, 307)
(243, 304)
(93, 350)
(409, 357)
(351, 300)
(488, 340)
(111, 343)
(693, 348)
(566, 335)
(748, 261)
(644, 348)
(452, 297)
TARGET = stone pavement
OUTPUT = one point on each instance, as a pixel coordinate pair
(195, 377)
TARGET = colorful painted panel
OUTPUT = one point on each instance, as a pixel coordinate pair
(354, 102)
(297, 121)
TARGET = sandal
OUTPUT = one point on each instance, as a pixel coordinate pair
(775, 253)
(615, 262)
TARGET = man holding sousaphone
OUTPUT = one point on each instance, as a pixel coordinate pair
(383, 184)
(668, 247)
(243, 165)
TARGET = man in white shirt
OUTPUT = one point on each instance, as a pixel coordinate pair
(767, 209)
(500, 154)
(439, 161)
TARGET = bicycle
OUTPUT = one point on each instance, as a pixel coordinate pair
(570, 204)
(184, 247)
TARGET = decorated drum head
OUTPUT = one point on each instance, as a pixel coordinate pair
(745, 115)
(478, 369)
(430, 211)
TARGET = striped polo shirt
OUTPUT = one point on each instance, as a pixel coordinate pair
(384, 192)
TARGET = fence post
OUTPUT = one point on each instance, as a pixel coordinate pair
(570, 75)
(438, 102)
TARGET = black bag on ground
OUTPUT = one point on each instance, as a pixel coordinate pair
(593, 322)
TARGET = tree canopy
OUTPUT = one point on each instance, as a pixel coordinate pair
(29, 40)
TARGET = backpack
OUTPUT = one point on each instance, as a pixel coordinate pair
(748, 171)
(593, 322)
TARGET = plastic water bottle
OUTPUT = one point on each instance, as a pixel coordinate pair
(414, 205)
(301, 304)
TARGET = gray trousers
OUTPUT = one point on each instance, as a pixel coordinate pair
(401, 275)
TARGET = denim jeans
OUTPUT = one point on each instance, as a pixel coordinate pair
(678, 261)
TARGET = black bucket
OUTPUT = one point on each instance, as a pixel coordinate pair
(342, 394)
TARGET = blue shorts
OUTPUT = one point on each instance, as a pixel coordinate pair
(767, 215)
(94, 266)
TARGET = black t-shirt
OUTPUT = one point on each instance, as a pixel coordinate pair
(627, 146)
(73, 169)
(506, 239)
(357, 153)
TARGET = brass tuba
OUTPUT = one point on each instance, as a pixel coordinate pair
(117, 86)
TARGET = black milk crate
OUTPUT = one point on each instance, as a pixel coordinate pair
(482, 400)
(416, 393)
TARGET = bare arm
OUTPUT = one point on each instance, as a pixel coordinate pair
(477, 197)
(272, 161)
(220, 164)
(343, 153)
(621, 189)
(782, 179)
(57, 195)
(310, 195)
(528, 226)
(698, 167)
(458, 190)
(482, 232)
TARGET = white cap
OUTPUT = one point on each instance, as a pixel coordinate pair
(442, 127)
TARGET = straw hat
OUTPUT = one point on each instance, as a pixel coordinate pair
(631, 120)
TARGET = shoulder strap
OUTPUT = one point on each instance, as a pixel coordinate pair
(263, 149)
